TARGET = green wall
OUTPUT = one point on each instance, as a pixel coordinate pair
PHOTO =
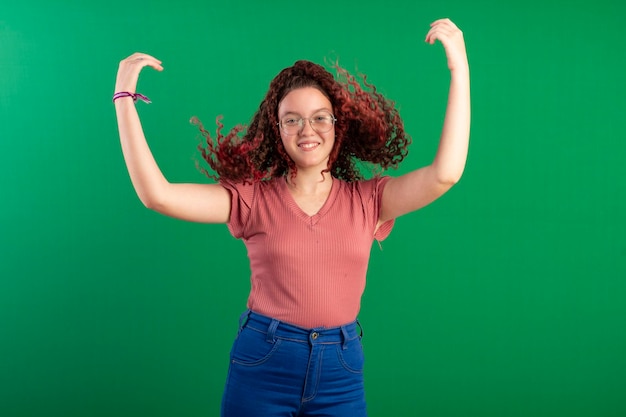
(506, 297)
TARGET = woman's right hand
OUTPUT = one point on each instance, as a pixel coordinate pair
(129, 69)
(206, 203)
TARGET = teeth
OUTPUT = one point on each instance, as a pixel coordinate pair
(308, 145)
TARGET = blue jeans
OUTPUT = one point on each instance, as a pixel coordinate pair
(281, 370)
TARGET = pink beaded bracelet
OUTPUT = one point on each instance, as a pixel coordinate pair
(135, 96)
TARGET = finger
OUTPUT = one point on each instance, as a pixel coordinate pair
(442, 30)
(151, 62)
(437, 33)
(142, 60)
(442, 25)
(141, 56)
(446, 22)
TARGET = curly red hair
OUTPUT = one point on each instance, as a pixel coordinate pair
(368, 129)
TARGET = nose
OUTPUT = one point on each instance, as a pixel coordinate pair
(307, 128)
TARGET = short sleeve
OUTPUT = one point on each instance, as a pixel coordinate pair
(385, 229)
(242, 196)
(371, 192)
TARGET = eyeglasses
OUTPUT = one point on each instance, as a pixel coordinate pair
(321, 123)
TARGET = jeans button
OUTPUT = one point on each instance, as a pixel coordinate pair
(314, 335)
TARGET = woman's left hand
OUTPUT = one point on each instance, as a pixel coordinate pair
(451, 38)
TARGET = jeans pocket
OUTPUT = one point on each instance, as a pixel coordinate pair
(351, 358)
(251, 348)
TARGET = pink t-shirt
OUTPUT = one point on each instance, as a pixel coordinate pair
(307, 270)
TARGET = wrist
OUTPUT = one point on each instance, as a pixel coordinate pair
(128, 94)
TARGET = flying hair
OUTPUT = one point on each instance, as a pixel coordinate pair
(368, 131)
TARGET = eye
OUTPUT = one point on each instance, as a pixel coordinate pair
(291, 121)
(322, 118)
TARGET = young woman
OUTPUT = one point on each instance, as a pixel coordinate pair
(291, 190)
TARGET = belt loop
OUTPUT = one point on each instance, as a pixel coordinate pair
(271, 331)
(358, 323)
(344, 334)
(243, 319)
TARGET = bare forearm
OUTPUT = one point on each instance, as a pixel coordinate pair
(451, 156)
(143, 169)
(206, 203)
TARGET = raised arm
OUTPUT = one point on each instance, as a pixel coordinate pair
(418, 188)
(206, 203)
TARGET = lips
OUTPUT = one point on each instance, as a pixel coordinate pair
(308, 146)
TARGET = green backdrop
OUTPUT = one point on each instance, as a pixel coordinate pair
(506, 297)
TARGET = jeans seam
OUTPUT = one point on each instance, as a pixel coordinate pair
(260, 361)
(318, 376)
(345, 364)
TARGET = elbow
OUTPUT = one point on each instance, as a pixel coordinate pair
(449, 179)
(151, 202)
(152, 197)
(447, 174)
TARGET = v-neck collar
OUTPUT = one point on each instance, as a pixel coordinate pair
(301, 214)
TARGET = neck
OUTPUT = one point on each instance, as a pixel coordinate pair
(309, 182)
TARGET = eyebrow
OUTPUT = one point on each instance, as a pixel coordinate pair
(298, 114)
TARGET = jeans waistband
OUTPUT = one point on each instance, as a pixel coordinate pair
(276, 329)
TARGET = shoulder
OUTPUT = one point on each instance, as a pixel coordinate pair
(370, 186)
(248, 190)
(245, 185)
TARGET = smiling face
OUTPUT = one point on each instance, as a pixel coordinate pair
(307, 148)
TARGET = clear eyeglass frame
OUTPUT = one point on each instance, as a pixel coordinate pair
(320, 123)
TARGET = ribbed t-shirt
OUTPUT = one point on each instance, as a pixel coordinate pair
(307, 270)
